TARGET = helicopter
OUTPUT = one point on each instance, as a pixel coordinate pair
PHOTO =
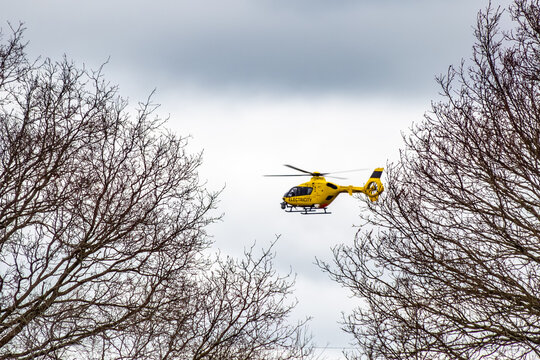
(314, 196)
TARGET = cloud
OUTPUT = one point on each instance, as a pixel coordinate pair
(298, 46)
(357, 47)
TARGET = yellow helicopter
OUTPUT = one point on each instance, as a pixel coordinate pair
(314, 196)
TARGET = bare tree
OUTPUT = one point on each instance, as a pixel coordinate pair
(102, 232)
(239, 293)
(236, 309)
(448, 264)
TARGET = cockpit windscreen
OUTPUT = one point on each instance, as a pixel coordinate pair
(299, 191)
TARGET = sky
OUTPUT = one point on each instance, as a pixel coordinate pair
(322, 85)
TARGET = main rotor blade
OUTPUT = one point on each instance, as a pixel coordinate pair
(335, 177)
(287, 175)
(346, 171)
(297, 169)
(309, 173)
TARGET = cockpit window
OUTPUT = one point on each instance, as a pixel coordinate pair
(299, 191)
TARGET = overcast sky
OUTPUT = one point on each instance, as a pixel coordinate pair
(299, 46)
(323, 85)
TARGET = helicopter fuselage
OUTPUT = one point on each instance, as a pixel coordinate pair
(317, 193)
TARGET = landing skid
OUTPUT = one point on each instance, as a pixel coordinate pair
(307, 210)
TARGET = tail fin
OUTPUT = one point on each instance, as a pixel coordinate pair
(374, 186)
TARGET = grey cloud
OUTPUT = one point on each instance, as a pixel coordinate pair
(293, 46)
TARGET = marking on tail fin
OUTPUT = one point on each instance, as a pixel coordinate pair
(376, 175)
